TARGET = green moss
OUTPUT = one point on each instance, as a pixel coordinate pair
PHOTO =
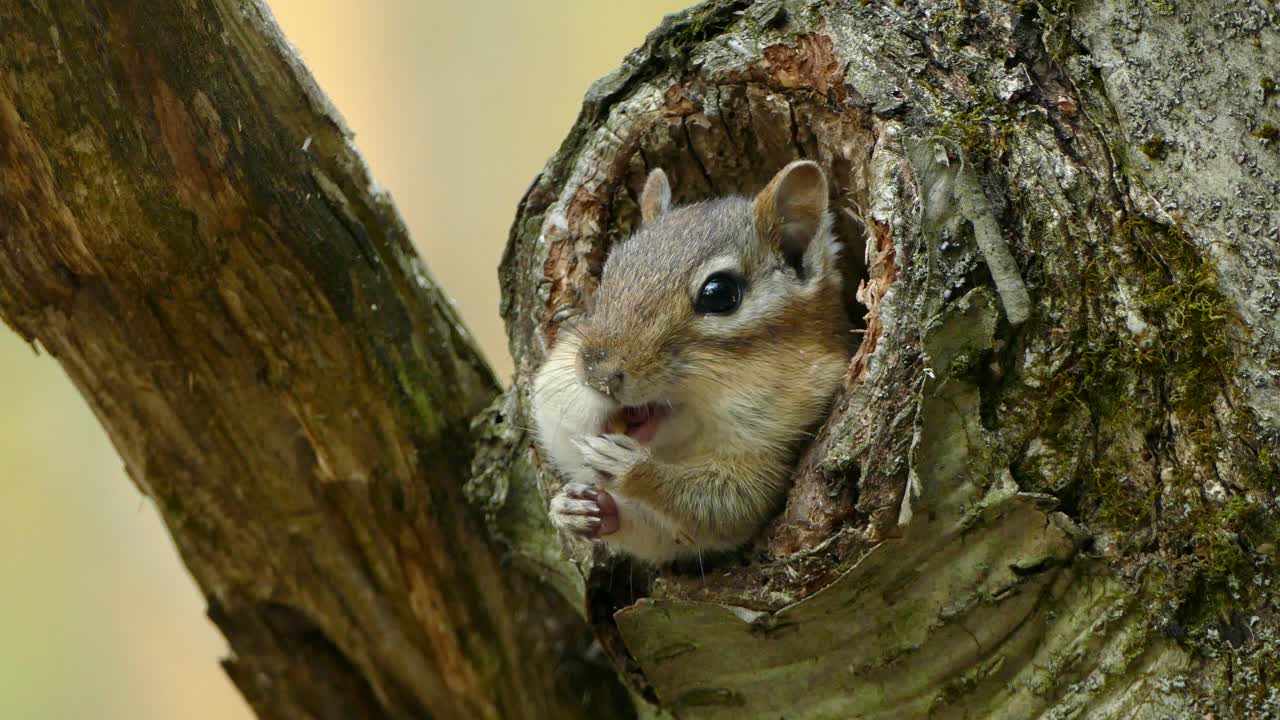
(1196, 321)
(965, 363)
(1268, 87)
(982, 132)
(950, 22)
(1155, 147)
(1124, 385)
(1269, 471)
(698, 25)
(1267, 132)
(1051, 7)
(1055, 17)
(1217, 579)
(1118, 501)
(1138, 423)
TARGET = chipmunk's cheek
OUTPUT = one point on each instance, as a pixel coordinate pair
(608, 513)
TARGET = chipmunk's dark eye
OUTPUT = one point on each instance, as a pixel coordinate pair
(720, 295)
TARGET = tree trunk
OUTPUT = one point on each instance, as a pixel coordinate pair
(1049, 487)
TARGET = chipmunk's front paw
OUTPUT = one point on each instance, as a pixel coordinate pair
(610, 455)
(585, 511)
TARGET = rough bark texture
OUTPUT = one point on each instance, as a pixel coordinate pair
(186, 227)
(1048, 489)
(1050, 485)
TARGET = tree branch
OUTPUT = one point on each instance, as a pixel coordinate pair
(1048, 487)
(187, 227)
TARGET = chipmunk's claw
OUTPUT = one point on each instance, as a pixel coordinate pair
(610, 455)
(585, 511)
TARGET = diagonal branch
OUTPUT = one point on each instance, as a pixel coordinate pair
(186, 226)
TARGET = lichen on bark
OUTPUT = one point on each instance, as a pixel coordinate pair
(1047, 488)
(1125, 393)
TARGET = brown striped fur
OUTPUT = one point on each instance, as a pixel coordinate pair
(747, 388)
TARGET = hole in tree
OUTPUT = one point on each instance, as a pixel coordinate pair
(720, 140)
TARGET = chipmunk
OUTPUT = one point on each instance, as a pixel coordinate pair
(676, 406)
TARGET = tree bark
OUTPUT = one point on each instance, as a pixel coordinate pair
(1048, 488)
(186, 226)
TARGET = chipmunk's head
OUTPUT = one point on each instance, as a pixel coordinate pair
(710, 306)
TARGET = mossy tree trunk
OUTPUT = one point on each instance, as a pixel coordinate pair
(1049, 486)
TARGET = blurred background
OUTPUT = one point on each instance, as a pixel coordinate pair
(456, 107)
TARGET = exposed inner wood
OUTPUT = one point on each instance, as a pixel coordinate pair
(1050, 354)
(1048, 488)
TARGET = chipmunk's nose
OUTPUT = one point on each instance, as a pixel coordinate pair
(602, 372)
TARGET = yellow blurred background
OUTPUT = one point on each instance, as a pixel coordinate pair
(456, 107)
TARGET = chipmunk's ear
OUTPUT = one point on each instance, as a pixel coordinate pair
(656, 197)
(791, 211)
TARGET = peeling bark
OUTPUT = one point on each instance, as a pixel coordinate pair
(1047, 489)
(1049, 486)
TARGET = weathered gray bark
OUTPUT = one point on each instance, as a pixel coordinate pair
(1049, 487)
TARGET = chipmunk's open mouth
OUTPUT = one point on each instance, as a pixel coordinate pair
(639, 422)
